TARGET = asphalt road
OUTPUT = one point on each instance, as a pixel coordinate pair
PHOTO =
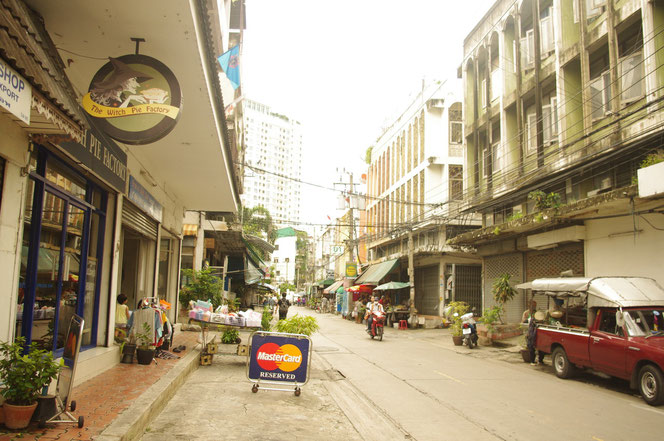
(414, 385)
(429, 389)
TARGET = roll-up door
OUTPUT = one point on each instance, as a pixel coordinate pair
(427, 289)
(550, 263)
(138, 221)
(468, 285)
(496, 266)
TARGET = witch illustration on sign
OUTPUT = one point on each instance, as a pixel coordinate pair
(120, 89)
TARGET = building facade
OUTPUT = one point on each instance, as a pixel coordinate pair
(84, 217)
(561, 106)
(415, 187)
(274, 162)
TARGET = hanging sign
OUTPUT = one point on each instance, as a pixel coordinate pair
(278, 357)
(15, 92)
(135, 99)
(351, 270)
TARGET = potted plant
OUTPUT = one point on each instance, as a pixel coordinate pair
(231, 336)
(457, 309)
(298, 325)
(24, 375)
(503, 292)
(145, 349)
(128, 349)
(489, 318)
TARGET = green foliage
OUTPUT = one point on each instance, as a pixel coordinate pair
(230, 336)
(653, 158)
(297, 324)
(543, 200)
(502, 291)
(145, 339)
(515, 216)
(233, 305)
(539, 217)
(257, 221)
(491, 316)
(458, 308)
(267, 318)
(367, 155)
(204, 286)
(25, 375)
(286, 286)
(496, 231)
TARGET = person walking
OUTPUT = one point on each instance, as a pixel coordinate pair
(284, 304)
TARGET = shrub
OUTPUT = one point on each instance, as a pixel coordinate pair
(297, 324)
(230, 336)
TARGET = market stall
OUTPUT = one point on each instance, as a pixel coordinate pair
(396, 308)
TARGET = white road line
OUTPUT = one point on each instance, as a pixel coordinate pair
(449, 377)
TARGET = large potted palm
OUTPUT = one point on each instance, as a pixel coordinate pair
(24, 375)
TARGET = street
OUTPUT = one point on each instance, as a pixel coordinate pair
(413, 385)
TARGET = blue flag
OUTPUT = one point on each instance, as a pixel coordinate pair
(230, 64)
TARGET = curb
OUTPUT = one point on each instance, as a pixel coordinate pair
(131, 423)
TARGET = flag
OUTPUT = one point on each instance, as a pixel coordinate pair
(230, 64)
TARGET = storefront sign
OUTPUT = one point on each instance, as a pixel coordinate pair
(135, 99)
(100, 154)
(277, 357)
(336, 250)
(144, 200)
(15, 92)
(351, 270)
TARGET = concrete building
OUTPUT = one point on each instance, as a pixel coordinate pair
(415, 188)
(86, 213)
(284, 255)
(274, 162)
(562, 103)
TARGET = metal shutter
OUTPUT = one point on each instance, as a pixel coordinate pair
(138, 221)
(468, 285)
(494, 267)
(550, 263)
(427, 288)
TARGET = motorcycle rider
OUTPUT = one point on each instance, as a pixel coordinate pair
(373, 307)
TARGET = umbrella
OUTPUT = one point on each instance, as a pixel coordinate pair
(392, 285)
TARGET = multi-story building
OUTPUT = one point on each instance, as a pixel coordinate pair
(284, 256)
(274, 162)
(414, 189)
(562, 102)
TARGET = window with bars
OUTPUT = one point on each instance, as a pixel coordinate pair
(456, 182)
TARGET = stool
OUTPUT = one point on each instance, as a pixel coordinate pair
(403, 324)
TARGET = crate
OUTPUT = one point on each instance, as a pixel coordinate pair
(206, 359)
(211, 348)
(242, 349)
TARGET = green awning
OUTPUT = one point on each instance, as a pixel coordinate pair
(325, 283)
(341, 290)
(375, 273)
(333, 288)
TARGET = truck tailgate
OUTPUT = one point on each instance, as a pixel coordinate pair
(575, 341)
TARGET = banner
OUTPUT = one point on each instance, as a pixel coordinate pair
(230, 64)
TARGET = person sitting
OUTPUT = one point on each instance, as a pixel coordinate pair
(373, 307)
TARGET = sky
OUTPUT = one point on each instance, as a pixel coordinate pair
(343, 69)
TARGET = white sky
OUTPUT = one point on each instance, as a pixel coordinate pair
(343, 67)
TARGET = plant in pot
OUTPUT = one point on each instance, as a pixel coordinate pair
(456, 310)
(24, 375)
(503, 292)
(128, 349)
(298, 325)
(231, 336)
(145, 349)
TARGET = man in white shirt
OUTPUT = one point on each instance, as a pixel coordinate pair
(373, 307)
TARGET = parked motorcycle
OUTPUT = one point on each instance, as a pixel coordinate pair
(469, 329)
(377, 325)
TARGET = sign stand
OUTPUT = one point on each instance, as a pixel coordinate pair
(279, 359)
(66, 376)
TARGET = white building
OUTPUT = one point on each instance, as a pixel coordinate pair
(274, 162)
(283, 257)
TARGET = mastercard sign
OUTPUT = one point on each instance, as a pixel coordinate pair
(277, 357)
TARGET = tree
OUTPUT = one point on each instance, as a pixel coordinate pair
(502, 291)
(257, 221)
(367, 155)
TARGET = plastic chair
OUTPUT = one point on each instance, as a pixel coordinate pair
(403, 324)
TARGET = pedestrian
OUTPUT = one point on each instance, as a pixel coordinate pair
(530, 342)
(284, 304)
(271, 303)
(121, 316)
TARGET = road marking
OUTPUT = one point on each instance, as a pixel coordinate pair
(449, 377)
(650, 408)
(597, 439)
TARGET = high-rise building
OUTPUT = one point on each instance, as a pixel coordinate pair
(274, 162)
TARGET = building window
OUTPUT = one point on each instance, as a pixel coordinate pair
(276, 260)
(600, 95)
(546, 32)
(527, 47)
(483, 96)
(456, 132)
(550, 121)
(496, 84)
(531, 133)
(486, 158)
(456, 182)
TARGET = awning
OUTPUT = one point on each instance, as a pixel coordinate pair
(333, 288)
(340, 290)
(375, 273)
(324, 283)
(253, 274)
(266, 286)
(189, 229)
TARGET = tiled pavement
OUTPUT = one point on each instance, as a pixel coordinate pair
(101, 399)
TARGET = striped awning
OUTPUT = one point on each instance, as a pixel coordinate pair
(189, 229)
(375, 273)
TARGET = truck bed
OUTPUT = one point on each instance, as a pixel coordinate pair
(575, 341)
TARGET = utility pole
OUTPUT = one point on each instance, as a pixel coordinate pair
(411, 270)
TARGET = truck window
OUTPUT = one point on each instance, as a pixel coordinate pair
(647, 321)
(608, 322)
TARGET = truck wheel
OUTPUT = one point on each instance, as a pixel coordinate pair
(561, 364)
(651, 385)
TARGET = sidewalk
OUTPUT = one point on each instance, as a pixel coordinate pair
(103, 398)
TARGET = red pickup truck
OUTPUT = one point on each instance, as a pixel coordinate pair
(624, 336)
